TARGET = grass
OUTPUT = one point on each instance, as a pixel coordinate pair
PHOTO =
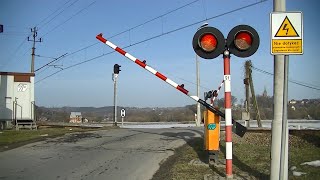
(251, 157)
(11, 138)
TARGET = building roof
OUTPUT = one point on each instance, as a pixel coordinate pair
(16, 73)
(75, 114)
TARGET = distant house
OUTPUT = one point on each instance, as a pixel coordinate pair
(75, 117)
(292, 101)
(305, 101)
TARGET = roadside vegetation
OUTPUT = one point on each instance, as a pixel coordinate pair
(11, 138)
(251, 158)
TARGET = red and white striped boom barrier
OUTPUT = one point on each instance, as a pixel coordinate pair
(214, 97)
(237, 127)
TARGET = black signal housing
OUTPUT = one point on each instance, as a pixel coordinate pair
(208, 42)
(243, 41)
(116, 69)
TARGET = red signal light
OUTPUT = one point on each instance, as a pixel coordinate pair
(243, 40)
(208, 42)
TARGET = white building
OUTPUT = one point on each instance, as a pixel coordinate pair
(17, 105)
(75, 117)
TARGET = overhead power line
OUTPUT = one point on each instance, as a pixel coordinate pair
(292, 81)
(44, 57)
(70, 18)
(15, 52)
(154, 37)
(158, 17)
(55, 59)
(56, 14)
(82, 62)
(24, 40)
(134, 27)
(14, 33)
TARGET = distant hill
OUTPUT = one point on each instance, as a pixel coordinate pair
(98, 114)
(304, 109)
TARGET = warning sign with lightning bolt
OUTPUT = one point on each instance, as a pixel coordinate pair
(286, 29)
(286, 33)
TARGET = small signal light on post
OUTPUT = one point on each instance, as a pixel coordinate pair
(243, 41)
(208, 42)
(116, 69)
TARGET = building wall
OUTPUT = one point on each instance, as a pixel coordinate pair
(24, 91)
(77, 119)
(20, 87)
(6, 97)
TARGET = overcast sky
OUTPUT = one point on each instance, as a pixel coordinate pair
(70, 26)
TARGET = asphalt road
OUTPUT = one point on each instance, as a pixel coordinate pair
(112, 154)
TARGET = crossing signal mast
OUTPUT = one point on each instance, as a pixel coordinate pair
(209, 43)
(116, 70)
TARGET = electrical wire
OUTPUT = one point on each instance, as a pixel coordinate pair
(45, 57)
(105, 55)
(157, 36)
(292, 81)
(49, 22)
(134, 27)
(193, 83)
(58, 13)
(69, 18)
(82, 62)
(15, 52)
(14, 33)
(146, 22)
(54, 59)
(21, 44)
(204, 8)
(53, 12)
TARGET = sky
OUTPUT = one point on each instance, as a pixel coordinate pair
(159, 32)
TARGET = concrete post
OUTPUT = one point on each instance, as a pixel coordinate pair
(278, 87)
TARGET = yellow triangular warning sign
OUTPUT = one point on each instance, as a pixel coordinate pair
(286, 29)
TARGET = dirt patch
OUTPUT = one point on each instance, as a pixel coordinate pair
(74, 137)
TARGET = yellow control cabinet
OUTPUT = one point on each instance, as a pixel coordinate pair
(211, 131)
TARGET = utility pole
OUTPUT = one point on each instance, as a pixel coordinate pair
(34, 31)
(198, 92)
(285, 130)
(253, 95)
(198, 121)
(247, 101)
(278, 90)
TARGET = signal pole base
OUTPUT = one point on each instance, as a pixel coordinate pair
(213, 158)
(229, 177)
